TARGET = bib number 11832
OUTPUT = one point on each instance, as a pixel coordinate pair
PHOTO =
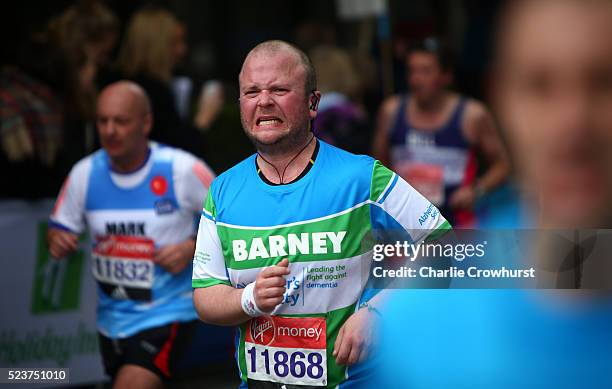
(123, 266)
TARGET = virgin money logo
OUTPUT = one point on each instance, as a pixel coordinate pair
(262, 330)
(124, 246)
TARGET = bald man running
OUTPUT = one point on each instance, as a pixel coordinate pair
(138, 200)
(277, 223)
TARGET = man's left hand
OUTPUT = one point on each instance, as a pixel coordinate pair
(174, 258)
(355, 338)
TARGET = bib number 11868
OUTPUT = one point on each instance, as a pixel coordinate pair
(287, 350)
(292, 364)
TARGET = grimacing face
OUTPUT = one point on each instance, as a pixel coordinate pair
(554, 99)
(274, 108)
(122, 124)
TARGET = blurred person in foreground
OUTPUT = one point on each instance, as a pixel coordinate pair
(554, 93)
(431, 136)
(138, 201)
(553, 80)
(154, 44)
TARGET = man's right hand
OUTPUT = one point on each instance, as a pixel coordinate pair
(61, 243)
(270, 286)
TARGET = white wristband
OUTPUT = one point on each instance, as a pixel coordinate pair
(247, 300)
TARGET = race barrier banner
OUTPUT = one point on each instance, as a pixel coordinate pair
(48, 306)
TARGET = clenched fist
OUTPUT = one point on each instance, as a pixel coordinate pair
(270, 286)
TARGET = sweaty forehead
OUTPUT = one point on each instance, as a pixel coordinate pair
(118, 101)
(269, 67)
(422, 59)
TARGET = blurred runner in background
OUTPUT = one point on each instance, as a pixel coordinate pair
(139, 202)
(431, 136)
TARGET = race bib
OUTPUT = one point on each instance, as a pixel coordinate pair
(123, 267)
(427, 179)
(283, 351)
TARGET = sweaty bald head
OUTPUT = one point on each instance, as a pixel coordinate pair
(124, 121)
(130, 92)
(275, 47)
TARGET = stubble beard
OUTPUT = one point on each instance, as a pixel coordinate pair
(288, 142)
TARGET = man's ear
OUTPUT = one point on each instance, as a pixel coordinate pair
(314, 98)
